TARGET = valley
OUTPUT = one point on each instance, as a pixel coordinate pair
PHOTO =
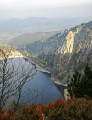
(58, 52)
(63, 51)
(45, 60)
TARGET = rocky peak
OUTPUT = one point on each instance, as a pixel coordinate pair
(70, 41)
(68, 44)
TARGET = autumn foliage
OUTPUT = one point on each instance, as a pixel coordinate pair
(73, 109)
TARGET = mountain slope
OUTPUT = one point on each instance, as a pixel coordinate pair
(66, 51)
(27, 38)
(5, 37)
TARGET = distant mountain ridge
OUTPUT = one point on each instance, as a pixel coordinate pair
(38, 24)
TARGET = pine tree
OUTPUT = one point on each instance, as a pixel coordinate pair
(81, 84)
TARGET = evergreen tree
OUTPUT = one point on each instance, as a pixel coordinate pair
(81, 84)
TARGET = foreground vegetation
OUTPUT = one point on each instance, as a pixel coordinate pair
(73, 109)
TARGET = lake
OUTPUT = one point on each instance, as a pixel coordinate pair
(40, 89)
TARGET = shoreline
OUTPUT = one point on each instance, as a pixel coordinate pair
(14, 54)
(58, 82)
(11, 57)
(61, 86)
(42, 69)
(39, 68)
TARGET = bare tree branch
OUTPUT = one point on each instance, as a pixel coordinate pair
(14, 73)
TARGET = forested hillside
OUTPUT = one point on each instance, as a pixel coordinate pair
(65, 51)
(6, 37)
(22, 40)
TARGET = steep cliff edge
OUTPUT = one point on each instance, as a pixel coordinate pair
(76, 51)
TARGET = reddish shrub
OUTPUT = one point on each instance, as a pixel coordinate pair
(73, 109)
(4, 116)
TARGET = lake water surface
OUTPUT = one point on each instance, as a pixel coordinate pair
(40, 89)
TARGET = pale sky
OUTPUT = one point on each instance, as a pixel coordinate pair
(44, 8)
